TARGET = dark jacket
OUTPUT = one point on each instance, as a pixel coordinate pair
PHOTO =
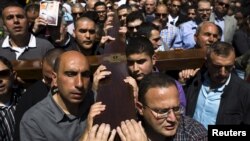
(235, 101)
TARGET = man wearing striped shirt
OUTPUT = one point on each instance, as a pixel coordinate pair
(8, 100)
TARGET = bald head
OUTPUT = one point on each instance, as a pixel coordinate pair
(71, 77)
(206, 34)
(84, 19)
(70, 57)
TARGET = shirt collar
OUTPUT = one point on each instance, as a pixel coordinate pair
(58, 112)
(32, 42)
(219, 19)
(221, 88)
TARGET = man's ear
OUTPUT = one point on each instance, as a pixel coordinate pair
(54, 78)
(195, 37)
(139, 107)
(74, 34)
(154, 58)
(14, 74)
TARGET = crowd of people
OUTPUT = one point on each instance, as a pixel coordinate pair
(63, 106)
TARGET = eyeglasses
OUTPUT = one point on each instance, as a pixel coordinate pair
(109, 7)
(77, 14)
(223, 4)
(91, 31)
(204, 10)
(164, 113)
(191, 13)
(160, 14)
(178, 6)
(5, 73)
(131, 28)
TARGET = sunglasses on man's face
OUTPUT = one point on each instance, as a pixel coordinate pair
(223, 4)
(5, 73)
(160, 14)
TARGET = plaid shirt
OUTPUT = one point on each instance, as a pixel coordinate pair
(190, 130)
(168, 35)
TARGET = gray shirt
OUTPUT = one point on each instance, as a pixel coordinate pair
(47, 121)
(36, 49)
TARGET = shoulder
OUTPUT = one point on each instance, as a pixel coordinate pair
(36, 112)
(235, 80)
(43, 42)
(193, 129)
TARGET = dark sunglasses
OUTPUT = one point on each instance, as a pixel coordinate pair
(223, 4)
(160, 14)
(5, 73)
(191, 13)
(77, 14)
(133, 27)
(178, 6)
(91, 31)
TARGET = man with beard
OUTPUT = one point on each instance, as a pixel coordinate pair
(101, 10)
(216, 95)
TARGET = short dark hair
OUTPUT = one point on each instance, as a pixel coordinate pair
(134, 16)
(32, 7)
(154, 80)
(51, 55)
(99, 3)
(93, 15)
(6, 62)
(221, 49)
(145, 29)
(138, 45)
(11, 4)
(124, 6)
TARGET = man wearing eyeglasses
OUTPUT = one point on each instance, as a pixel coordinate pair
(161, 113)
(228, 24)
(175, 17)
(185, 37)
(101, 9)
(8, 100)
(169, 32)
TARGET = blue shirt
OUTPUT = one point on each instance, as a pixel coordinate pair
(185, 37)
(221, 23)
(208, 102)
(168, 35)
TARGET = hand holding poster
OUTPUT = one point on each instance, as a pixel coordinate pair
(49, 10)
